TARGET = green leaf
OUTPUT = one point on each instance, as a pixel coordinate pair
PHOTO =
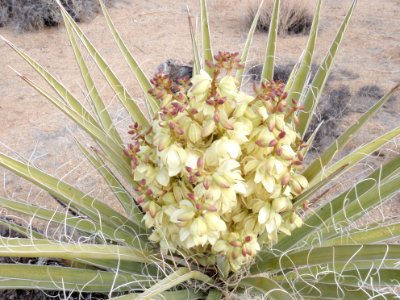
(76, 223)
(268, 67)
(186, 294)
(172, 280)
(363, 236)
(206, 40)
(249, 39)
(311, 290)
(378, 278)
(11, 247)
(122, 94)
(357, 155)
(124, 197)
(270, 289)
(353, 210)
(26, 231)
(303, 72)
(98, 103)
(139, 74)
(125, 267)
(331, 254)
(19, 276)
(316, 188)
(318, 83)
(71, 197)
(109, 146)
(214, 294)
(69, 99)
(195, 48)
(292, 76)
(319, 164)
(311, 139)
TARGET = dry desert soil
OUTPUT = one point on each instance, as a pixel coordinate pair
(33, 129)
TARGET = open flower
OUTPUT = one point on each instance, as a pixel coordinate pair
(173, 159)
(219, 168)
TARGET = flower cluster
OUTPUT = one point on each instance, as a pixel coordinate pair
(218, 168)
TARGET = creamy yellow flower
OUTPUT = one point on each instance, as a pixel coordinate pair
(200, 86)
(174, 159)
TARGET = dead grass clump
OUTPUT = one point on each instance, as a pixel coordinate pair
(281, 72)
(29, 15)
(372, 91)
(332, 108)
(295, 16)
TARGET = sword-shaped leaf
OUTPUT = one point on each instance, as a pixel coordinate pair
(195, 47)
(270, 288)
(249, 39)
(19, 276)
(319, 164)
(206, 38)
(376, 234)
(300, 80)
(98, 103)
(269, 61)
(314, 92)
(84, 225)
(331, 254)
(139, 74)
(71, 197)
(124, 197)
(58, 87)
(127, 101)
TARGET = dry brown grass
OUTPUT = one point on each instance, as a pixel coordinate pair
(295, 15)
(29, 15)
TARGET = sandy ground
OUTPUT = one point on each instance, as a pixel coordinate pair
(156, 31)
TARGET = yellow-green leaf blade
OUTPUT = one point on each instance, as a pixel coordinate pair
(23, 230)
(127, 101)
(363, 236)
(195, 47)
(19, 276)
(302, 74)
(124, 197)
(74, 222)
(270, 289)
(94, 95)
(249, 39)
(186, 294)
(71, 197)
(315, 290)
(172, 280)
(206, 38)
(318, 83)
(52, 249)
(353, 210)
(139, 74)
(330, 254)
(269, 61)
(358, 154)
(63, 92)
(318, 164)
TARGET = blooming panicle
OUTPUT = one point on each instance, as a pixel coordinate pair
(218, 168)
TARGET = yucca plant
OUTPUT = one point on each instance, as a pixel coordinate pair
(214, 186)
